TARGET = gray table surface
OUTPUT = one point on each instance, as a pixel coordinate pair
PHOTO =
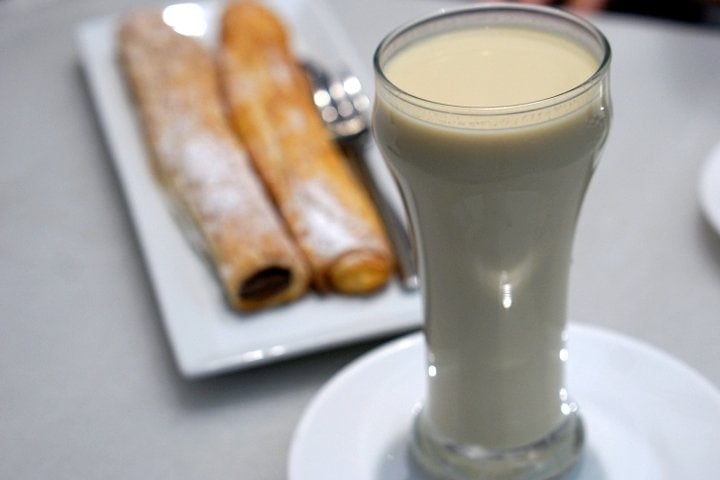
(88, 388)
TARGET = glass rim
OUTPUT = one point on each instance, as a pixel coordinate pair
(556, 13)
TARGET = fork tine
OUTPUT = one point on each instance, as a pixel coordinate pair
(351, 121)
(354, 91)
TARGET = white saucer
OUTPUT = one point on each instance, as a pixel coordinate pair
(647, 416)
(709, 188)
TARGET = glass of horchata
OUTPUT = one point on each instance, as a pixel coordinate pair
(491, 118)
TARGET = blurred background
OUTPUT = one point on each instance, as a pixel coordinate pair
(703, 12)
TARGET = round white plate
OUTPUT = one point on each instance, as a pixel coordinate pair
(647, 416)
(709, 188)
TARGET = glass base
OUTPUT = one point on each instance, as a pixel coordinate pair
(546, 459)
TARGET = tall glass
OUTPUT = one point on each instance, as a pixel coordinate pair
(493, 187)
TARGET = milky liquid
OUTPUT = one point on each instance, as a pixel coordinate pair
(494, 202)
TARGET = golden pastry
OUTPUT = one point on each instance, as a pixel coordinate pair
(200, 162)
(324, 204)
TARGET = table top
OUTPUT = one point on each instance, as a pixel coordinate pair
(88, 387)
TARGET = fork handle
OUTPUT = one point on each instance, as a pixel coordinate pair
(394, 226)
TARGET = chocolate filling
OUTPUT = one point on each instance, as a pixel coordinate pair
(265, 283)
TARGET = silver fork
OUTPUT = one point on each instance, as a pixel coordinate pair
(344, 107)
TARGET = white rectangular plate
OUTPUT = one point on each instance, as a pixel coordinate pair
(206, 336)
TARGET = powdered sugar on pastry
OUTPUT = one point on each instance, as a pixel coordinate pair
(326, 223)
(200, 162)
(326, 208)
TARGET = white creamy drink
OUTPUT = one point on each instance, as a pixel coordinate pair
(493, 195)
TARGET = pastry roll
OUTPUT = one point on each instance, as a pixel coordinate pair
(199, 161)
(324, 204)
